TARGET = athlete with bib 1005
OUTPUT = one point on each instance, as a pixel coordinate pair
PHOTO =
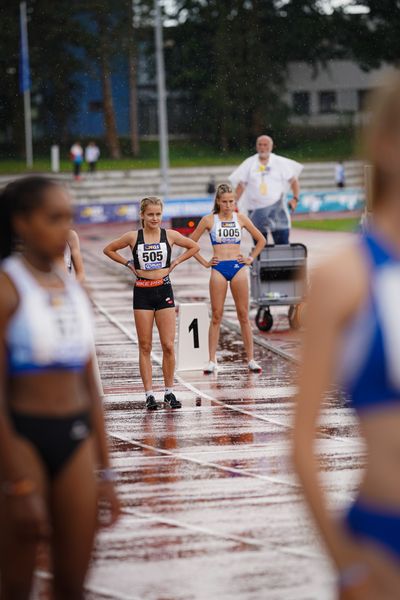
(153, 297)
(225, 228)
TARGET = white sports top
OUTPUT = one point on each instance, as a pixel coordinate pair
(226, 232)
(50, 329)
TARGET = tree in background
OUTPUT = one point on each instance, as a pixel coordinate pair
(373, 37)
(68, 42)
(227, 59)
(11, 110)
(137, 29)
(113, 30)
(231, 58)
(102, 22)
(54, 35)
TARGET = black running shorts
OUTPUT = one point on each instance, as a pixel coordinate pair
(150, 294)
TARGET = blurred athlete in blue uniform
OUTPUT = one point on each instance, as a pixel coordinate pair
(353, 331)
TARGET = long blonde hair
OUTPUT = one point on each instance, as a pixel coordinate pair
(384, 108)
(222, 188)
(145, 202)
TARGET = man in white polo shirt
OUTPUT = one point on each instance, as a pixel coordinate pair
(262, 182)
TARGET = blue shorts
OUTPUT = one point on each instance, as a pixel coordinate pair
(375, 525)
(228, 268)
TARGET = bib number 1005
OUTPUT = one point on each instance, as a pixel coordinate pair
(228, 233)
(194, 327)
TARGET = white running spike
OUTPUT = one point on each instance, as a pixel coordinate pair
(254, 367)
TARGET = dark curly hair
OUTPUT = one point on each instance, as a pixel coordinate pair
(19, 197)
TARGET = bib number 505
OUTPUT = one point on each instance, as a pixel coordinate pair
(152, 256)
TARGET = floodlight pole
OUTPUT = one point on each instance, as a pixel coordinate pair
(162, 102)
(25, 84)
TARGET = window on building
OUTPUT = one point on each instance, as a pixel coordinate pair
(95, 106)
(301, 103)
(327, 102)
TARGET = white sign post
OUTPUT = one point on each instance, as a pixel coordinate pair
(55, 159)
(193, 325)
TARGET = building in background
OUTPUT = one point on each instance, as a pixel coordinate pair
(332, 95)
(89, 120)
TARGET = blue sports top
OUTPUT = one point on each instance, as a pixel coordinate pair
(370, 356)
(50, 329)
(226, 232)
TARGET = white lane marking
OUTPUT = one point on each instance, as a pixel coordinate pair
(239, 393)
(111, 594)
(198, 392)
(230, 537)
(235, 452)
(213, 465)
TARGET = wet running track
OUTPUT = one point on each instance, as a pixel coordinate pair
(212, 508)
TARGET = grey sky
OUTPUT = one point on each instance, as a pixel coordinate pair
(326, 4)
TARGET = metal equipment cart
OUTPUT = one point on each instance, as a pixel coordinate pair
(278, 278)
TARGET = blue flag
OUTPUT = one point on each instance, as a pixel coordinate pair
(24, 71)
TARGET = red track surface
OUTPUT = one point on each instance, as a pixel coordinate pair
(212, 509)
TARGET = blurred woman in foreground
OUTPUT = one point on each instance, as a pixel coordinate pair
(51, 419)
(354, 330)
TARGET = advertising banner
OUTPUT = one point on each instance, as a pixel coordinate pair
(309, 202)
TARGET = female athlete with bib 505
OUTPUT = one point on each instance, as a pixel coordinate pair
(225, 228)
(52, 434)
(153, 297)
(353, 331)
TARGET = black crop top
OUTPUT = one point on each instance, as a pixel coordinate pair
(150, 257)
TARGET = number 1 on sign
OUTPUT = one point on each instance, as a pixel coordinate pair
(194, 326)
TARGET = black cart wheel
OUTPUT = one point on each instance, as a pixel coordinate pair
(264, 320)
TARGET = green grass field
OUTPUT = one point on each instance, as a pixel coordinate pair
(186, 153)
(347, 225)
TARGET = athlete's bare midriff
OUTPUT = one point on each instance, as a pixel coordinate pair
(52, 393)
(227, 251)
(156, 274)
(381, 481)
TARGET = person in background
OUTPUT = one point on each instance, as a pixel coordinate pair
(352, 337)
(92, 155)
(228, 267)
(52, 434)
(210, 189)
(76, 154)
(340, 175)
(73, 262)
(153, 296)
(261, 183)
(72, 256)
